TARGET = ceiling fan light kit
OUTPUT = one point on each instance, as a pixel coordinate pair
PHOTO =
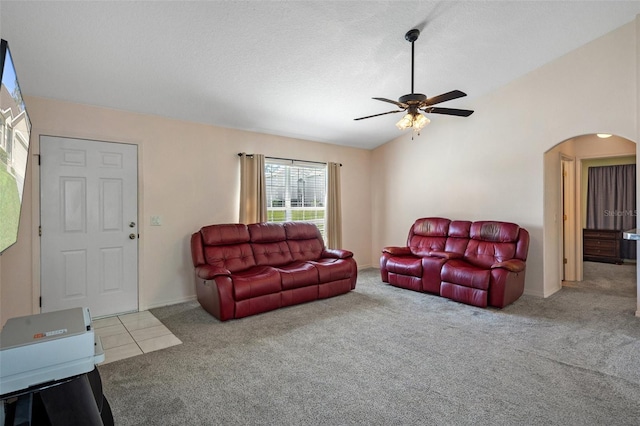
(415, 103)
(416, 121)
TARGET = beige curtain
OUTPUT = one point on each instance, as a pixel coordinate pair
(334, 207)
(253, 194)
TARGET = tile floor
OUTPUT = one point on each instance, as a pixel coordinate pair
(129, 335)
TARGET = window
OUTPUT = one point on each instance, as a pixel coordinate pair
(296, 191)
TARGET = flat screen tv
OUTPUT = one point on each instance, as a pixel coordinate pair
(15, 129)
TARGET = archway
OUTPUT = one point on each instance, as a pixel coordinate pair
(565, 200)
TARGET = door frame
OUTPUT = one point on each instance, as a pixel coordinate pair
(569, 228)
(35, 207)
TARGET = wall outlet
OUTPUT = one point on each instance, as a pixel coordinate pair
(156, 220)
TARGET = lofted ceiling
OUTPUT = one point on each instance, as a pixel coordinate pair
(303, 69)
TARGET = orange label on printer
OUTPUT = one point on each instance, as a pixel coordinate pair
(50, 333)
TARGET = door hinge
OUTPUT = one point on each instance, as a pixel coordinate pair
(38, 155)
(564, 261)
(564, 217)
(40, 231)
(40, 301)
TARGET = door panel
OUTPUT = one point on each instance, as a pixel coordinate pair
(88, 216)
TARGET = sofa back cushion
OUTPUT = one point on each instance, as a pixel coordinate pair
(428, 234)
(268, 241)
(304, 240)
(491, 242)
(227, 246)
(458, 236)
(216, 235)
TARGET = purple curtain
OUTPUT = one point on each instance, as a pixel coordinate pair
(611, 201)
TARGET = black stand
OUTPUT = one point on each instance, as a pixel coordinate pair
(74, 401)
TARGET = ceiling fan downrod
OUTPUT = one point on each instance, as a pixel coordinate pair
(412, 36)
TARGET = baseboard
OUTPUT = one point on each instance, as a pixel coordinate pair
(542, 294)
(168, 303)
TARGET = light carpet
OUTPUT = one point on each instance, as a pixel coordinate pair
(381, 355)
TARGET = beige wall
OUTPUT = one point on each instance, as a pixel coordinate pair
(491, 165)
(189, 175)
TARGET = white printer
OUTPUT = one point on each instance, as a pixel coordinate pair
(42, 348)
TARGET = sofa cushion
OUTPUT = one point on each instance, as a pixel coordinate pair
(234, 257)
(304, 240)
(301, 231)
(268, 244)
(457, 240)
(298, 274)
(484, 254)
(459, 228)
(491, 242)
(431, 227)
(214, 235)
(405, 265)
(273, 254)
(498, 232)
(427, 235)
(254, 282)
(266, 232)
(303, 250)
(464, 274)
(330, 269)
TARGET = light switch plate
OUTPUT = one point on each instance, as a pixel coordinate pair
(156, 220)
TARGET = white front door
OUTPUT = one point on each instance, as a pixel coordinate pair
(89, 222)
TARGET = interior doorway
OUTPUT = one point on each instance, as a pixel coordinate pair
(572, 158)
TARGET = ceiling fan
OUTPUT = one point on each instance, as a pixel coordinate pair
(414, 103)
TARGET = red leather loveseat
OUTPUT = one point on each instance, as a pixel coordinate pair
(243, 270)
(477, 263)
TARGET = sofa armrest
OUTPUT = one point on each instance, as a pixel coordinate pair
(209, 272)
(512, 265)
(446, 255)
(397, 251)
(336, 253)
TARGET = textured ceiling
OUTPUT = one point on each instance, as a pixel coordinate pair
(303, 69)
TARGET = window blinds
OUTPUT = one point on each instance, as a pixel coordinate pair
(296, 191)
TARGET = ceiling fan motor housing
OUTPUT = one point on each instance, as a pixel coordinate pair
(412, 98)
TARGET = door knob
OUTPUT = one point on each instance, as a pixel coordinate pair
(132, 236)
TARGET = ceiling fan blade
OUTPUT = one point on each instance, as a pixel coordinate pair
(449, 111)
(454, 94)
(399, 104)
(376, 115)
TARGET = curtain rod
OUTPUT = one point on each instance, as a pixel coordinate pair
(287, 159)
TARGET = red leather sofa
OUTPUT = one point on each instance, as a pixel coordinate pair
(477, 263)
(243, 270)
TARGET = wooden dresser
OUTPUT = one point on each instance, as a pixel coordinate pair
(601, 245)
